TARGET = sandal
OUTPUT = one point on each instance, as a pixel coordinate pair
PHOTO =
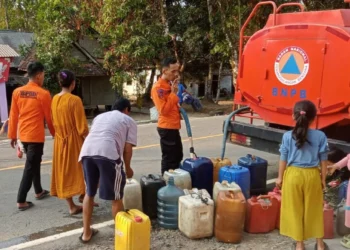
(78, 211)
(345, 243)
(30, 204)
(44, 194)
(347, 237)
(325, 246)
(93, 233)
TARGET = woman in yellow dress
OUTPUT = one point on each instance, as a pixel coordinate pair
(71, 128)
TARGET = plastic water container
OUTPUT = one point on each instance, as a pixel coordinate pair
(168, 205)
(201, 171)
(230, 216)
(342, 230)
(237, 174)
(261, 215)
(150, 185)
(277, 198)
(181, 177)
(224, 186)
(196, 214)
(258, 173)
(132, 195)
(328, 222)
(132, 231)
(218, 164)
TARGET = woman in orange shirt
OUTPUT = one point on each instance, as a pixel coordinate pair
(71, 128)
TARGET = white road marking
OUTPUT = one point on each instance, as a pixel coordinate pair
(73, 232)
(58, 236)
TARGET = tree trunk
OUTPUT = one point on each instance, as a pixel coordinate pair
(219, 85)
(147, 95)
(208, 84)
(6, 15)
(163, 15)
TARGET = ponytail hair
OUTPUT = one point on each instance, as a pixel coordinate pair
(304, 113)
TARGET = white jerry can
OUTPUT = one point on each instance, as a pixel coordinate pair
(182, 178)
(132, 195)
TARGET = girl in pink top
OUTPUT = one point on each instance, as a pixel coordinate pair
(337, 166)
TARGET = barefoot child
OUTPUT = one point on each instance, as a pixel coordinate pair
(302, 150)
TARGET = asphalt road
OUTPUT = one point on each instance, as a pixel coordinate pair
(50, 216)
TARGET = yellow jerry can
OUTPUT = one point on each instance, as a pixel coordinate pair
(132, 231)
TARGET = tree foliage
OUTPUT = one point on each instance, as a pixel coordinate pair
(136, 34)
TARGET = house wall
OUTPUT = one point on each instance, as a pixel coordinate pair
(226, 82)
(131, 87)
(97, 91)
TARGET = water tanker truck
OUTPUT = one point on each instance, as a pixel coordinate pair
(296, 56)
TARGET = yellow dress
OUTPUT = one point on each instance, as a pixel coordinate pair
(71, 128)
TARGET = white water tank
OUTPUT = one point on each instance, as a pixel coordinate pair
(196, 214)
(181, 177)
(224, 186)
(132, 195)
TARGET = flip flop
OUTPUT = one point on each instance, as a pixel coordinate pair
(43, 195)
(345, 243)
(30, 204)
(347, 237)
(94, 232)
(325, 246)
(78, 211)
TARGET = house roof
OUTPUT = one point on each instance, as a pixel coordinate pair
(88, 67)
(7, 51)
(15, 40)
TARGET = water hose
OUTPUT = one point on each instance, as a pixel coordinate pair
(189, 132)
(226, 125)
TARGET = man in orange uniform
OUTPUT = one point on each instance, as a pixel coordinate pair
(31, 105)
(164, 96)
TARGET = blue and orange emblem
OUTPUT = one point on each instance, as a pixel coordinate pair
(291, 65)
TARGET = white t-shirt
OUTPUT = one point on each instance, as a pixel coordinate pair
(108, 134)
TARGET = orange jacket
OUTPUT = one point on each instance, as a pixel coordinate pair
(31, 105)
(166, 103)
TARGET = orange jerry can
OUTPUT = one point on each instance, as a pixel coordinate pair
(261, 214)
(218, 164)
(229, 216)
(277, 197)
(132, 230)
(328, 222)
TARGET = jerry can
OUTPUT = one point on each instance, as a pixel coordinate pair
(182, 178)
(201, 171)
(258, 173)
(132, 230)
(168, 205)
(224, 186)
(150, 185)
(230, 216)
(328, 213)
(237, 174)
(277, 197)
(132, 195)
(218, 164)
(261, 214)
(196, 214)
(342, 230)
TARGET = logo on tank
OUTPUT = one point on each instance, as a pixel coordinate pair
(292, 65)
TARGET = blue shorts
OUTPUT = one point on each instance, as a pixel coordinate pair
(105, 173)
